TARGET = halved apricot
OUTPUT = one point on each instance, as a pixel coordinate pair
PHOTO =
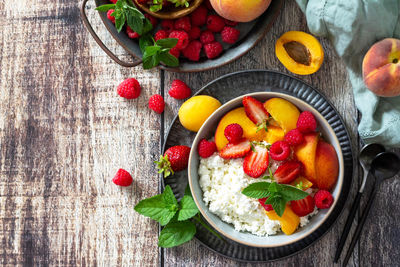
(300, 52)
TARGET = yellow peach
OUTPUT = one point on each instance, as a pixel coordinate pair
(240, 10)
(283, 112)
(306, 153)
(289, 220)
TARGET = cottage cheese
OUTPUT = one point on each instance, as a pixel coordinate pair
(222, 182)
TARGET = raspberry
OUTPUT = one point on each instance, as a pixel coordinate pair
(183, 24)
(213, 50)
(161, 34)
(306, 122)
(230, 35)
(175, 52)
(323, 199)
(112, 18)
(183, 39)
(179, 90)
(207, 37)
(206, 148)
(167, 25)
(152, 19)
(294, 137)
(208, 5)
(194, 33)
(233, 132)
(231, 23)
(279, 151)
(267, 207)
(131, 33)
(215, 23)
(192, 51)
(129, 89)
(122, 178)
(199, 16)
(113, 1)
(156, 103)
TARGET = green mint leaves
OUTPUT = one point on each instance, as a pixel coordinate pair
(278, 194)
(125, 12)
(177, 218)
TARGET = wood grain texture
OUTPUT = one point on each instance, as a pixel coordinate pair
(64, 133)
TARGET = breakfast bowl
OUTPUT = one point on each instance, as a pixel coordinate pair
(227, 229)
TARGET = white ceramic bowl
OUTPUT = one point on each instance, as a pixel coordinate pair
(208, 130)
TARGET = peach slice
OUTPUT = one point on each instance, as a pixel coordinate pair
(274, 134)
(306, 154)
(326, 166)
(237, 116)
(304, 182)
(289, 220)
(283, 112)
(240, 10)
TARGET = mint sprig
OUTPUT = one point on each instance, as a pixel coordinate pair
(278, 194)
(125, 12)
(178, 219)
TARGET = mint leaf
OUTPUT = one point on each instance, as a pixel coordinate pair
(274, 187)
(187, 191)
(167, 42)
(145, 41)
(257, 190)
(135, 20)
(176, 233)
(151, 51)
(160, 208)
(278, 204)
(188, 208)
(120, 20)
(292, 193)
(168, 59)
(105, 8)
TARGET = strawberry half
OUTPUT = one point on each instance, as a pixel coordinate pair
(303, 206)
(256, 162)
(256, 112)
(288, 171)
(237, 150)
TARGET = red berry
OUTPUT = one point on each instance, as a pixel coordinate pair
(306, 122)
(131, 33)
(175, 159)
(207, 37)
(323, 199)
(161, 34)
(279, 151)
(230, 35)
(287, 172)
(192, 51)
(303, 206)
(112, 18)
(175, 52)
(183, 24)
(215, 23)
(129, 89)
(199, 16)
(233, 132)
(167, 25)
(213, 50)
(255, 111)
(122, 178)
(179, 90)
(234, 151)
(267, 207)
(113, 1)
(230, 22)
(194, 33)
(156, 103)
(294, 137)
(183, 39)
(152, 19)
(206, 148)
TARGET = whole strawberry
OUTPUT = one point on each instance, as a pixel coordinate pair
(156, 103)
(175, 159)
(122, 178)
(179, 90)
(129, 89)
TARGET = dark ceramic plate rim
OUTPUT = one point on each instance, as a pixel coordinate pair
(330, 221)
(260, 29)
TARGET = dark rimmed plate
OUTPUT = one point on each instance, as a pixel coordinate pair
(251, 34)
(245, 82)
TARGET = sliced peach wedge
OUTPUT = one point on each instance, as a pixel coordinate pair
(289, 220)
(326, 166)
(306, 152)
(283, 112)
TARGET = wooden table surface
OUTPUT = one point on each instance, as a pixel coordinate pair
(64, 133)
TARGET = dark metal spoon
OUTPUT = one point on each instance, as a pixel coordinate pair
(384, 166)
(367, 155)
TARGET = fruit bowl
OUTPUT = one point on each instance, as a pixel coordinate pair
(174, 13)
(245, 238)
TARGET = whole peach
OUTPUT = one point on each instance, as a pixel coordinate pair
(240, 10)
(381, 68)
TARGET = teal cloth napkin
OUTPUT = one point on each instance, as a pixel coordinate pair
(353, 26)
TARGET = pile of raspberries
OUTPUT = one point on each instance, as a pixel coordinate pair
(194, 33)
